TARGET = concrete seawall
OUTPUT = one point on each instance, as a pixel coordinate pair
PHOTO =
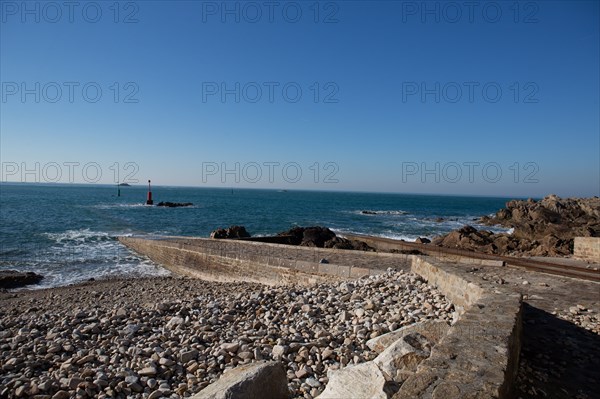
(235, 260)
(587, 249)
(478, 358)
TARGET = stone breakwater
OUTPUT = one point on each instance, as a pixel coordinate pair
(171, 337)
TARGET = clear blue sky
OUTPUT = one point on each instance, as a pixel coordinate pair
(372, 122)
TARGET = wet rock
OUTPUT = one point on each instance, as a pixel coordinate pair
(321, 237)
(16, 279)
(174, 204)
(231, 232)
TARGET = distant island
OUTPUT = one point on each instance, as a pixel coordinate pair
(124, 185)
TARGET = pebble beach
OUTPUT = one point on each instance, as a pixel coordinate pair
(173, 336)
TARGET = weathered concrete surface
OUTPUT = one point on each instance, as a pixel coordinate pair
(234, 260)
(261, 380)
(587, 248)
(477, 358)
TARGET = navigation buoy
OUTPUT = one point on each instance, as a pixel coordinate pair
(149, 200)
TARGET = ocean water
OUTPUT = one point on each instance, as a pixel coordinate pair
(68, 233)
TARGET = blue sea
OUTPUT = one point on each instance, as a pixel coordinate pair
(68, 233)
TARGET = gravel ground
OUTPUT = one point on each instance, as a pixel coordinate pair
(170, 337)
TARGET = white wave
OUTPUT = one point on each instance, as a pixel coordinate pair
(79, 255)
(393, 236)
(113, 206)
(411, 238)
(381, 212)
(81, 235)
(64, 266)
(61, 276)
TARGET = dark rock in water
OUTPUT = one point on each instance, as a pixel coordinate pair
(231, 232)
(316, 236)
(174, 204)
(368, 212)
(15, 279)
(124, 184)
(294, 235)
(321, 237)
(422, 240)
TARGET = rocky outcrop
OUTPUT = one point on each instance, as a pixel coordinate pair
(564, 218)
(261, 380)
(541, 228)
(16, 279)
(174, 204)
(321, 237)
(230, 232)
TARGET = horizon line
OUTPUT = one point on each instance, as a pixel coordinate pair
(349, 191)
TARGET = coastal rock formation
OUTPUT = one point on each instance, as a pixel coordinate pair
(174, 204)
(230, 232)
(540, 228)
(16, 279)
(262, 380)
(321, 237)
(565, 218)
